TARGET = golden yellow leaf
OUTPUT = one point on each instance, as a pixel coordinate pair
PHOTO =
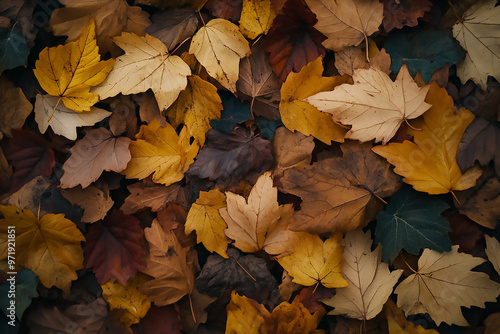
(315, 261)
(370, 280)
(161, 152)
(375, 106)
(301, 116)
(15, 107)
(196, 106)
(397, 323)
(256, 17)
(429, 162)
(68, 71)
(204, 218)
(128, 298)
(145, 65)
(443, 283)
(49, 246)
(219, 46)
(259, 222)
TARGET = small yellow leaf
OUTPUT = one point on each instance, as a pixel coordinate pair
(256, 17)
(298, 115)
(161, 152)
(204, 218)
(128, 298)
(315, 261)
(49, 246)
(68, 71)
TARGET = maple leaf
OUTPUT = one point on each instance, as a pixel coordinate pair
(171, 265)
(370, 280)
(113, 248)
(375, 106)
(50, 246)
(128, 298)
(443, 283)
(400, 13)
(256, 17)
(68, 71)
(429, 162)
(340, 194)
(397, 323)
(219, 46)
(95, 202)
(204, 218)
(412, 221)
(97, 152)
(31, 156)
(346, 22)
(248, 316)
(161, 152)
(196, 106)
(479, 35)
(298, 115)
(62, 120)
(292, 41)
(259, 222)
(15, 107)
(112, 17)
(145, 65)
(314, 261)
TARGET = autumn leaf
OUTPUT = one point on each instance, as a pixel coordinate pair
(219, 46)
(256, 17)
(352, 58)
(397, 323)
(479, 35)
(97, 152)
(68, 71)
(400, 13)
(204, 218)
(225, 9)
(161, 152)
(370, 280)
(429, 162)
(112, 17)
(292, 148)
(375, 106)
(493, 252)
(340, 194)
(95, 202)
(314, 261)
(145, 65)
(173, 27)
(26, 288)
(346, 22)
(443, 283)
(15, 107)
(50, 246)
(171, 265)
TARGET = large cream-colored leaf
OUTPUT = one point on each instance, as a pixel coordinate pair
(346, 22)
(375, 106)
(479, 34)
(370, 280)
(219, 46)
(443, 283)
(145, 65)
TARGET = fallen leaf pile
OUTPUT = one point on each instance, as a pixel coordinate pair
(249, 166)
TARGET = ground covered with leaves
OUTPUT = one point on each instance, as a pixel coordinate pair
(249, 166)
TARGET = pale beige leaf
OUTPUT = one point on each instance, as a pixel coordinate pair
(375, 106)
(493, 252)
(443, 283)
(97, 152)
(95, 202)
(15, 107)
(370, 280)
(64, 121)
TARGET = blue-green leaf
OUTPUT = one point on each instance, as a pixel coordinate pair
(233, 113)
(24, 290)
(13, 49)
(267, 127)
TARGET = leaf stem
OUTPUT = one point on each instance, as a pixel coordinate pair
(232, 257)
(411, 127)
(404, 260)
(455, 197)
(191, 306)
(178, 46)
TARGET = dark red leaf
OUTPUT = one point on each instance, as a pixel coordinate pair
(464, 232)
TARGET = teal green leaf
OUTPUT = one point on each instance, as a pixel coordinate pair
(13, 49)
(412, 221)
(25, 290)
(424, 50)
(267, 127)
(233, 113)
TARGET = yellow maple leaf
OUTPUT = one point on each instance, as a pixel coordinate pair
(196, 106)
(315, 261)
(256, 17)
(245, 315)
(49, 246)
(301, 116)
(68, 71)
(429, 162)
(128, 298)
(219, 46)
(161, 152)
(204, 218)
